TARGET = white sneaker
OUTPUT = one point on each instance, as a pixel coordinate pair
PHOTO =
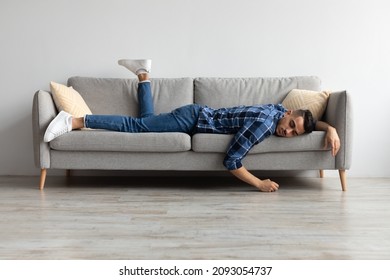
(137, 66)
(60, 125)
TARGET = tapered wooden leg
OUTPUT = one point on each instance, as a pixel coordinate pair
(343, 179)
(321, 173)
(43, 179)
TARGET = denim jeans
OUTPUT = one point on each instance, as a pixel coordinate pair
(182, 119)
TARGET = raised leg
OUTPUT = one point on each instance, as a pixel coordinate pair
(43, 179)
(145, 100)
(343, 179)
(321, 173)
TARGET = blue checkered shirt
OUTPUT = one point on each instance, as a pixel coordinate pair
(250, 124)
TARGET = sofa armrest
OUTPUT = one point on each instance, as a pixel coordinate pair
(339, 115)
(43, 112)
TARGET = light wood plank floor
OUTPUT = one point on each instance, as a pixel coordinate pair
(193, 218)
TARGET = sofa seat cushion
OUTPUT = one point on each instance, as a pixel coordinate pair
(209, 143)
(103, 140)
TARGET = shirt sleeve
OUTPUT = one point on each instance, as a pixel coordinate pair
(248, 136)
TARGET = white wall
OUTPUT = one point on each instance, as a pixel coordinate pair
(346, 43)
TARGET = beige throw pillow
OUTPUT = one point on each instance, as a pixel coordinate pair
(315, 101)
(69, 100)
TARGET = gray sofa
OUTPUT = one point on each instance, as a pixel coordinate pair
(107, 150)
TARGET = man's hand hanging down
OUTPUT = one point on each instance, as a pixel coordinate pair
(331, 139)
(263, 185)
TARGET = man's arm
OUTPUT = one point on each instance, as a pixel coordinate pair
(249, 135)
(331, 138)
(263, 185)
(243, 141)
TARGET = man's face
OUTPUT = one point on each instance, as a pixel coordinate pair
(290, 125)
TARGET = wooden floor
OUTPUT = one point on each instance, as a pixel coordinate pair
(193, 218)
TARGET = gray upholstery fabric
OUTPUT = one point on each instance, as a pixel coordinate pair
(103, 140)
(339, 115)
(119, 96)
(188, 161)
(43, 112)
(219, 143)
(229, 92)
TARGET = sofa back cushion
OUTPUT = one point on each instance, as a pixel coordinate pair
(229, 92)
(119, 96)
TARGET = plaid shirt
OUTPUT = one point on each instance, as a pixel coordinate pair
(250, 124)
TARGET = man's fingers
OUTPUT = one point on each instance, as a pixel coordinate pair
(270, 186)
(326, 144)
(274, 186)
(335, 146)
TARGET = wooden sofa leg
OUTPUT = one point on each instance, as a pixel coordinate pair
(343, 179)
(321, 173)
(43, 179)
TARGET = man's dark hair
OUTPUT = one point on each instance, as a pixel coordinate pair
(308, 120)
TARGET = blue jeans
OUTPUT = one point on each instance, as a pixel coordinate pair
(182, 119)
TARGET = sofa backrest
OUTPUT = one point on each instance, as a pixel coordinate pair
(119, 96)
(229, 92)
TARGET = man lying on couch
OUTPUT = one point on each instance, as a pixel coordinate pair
(250, 124)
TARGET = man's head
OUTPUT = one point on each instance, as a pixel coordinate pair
(295, 123)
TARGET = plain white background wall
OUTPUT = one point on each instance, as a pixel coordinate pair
(345, 43)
